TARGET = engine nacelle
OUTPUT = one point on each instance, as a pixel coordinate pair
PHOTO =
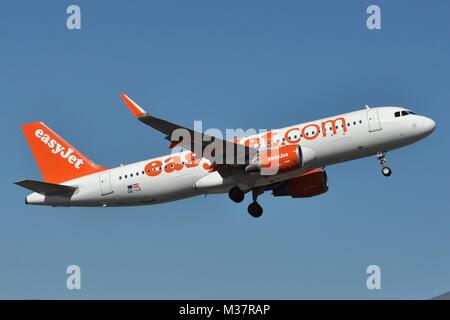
(308, 185)
(282, 159)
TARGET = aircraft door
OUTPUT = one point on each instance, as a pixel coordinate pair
(105, 183)
(373, 120)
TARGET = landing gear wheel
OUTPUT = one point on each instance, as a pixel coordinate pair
(255, 210)
(386, 171)
(236, 194)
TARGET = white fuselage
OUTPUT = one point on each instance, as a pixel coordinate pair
(364, 133)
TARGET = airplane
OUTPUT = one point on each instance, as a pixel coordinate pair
(299, 154)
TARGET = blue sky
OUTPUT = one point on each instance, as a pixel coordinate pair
(232, 64)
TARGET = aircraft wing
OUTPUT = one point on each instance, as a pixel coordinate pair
(227, 152)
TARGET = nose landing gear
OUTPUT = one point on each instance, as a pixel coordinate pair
(385, 170)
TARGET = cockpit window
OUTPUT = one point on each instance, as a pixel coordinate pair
(402, 113)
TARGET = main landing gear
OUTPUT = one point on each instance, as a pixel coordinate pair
(255, 209)
(236, 194)
(386, 171)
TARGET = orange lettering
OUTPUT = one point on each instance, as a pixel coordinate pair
(286, 136)
(207, 167)
(316, 133)
(251, 141)
(152, 168)
(333, 125)
(172, 164)
(191, 160)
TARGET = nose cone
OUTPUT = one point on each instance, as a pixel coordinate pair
(427, 125)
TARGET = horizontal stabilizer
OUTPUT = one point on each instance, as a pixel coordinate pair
(47, 189)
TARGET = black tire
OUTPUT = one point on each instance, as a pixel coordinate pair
(386, 171)
(255, 210)
(236, 194)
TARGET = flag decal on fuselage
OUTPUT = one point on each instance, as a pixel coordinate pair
(135, 187)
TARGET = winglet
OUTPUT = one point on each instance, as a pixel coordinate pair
(133, 106)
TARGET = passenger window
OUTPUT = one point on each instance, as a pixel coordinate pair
(360, 121)
(354, 123)
(126, 176)
(120, 178)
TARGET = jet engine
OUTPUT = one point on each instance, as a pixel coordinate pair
(305, 186)
(282, 159)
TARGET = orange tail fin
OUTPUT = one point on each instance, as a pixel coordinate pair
(57, 160)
